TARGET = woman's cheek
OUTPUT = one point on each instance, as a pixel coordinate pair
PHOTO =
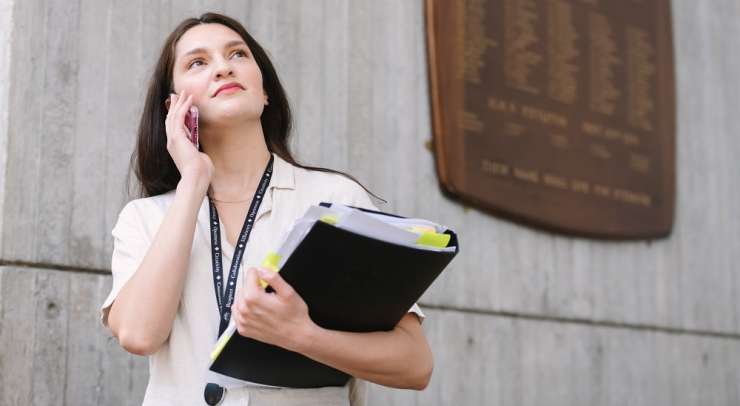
(198, 90)
(198, 95)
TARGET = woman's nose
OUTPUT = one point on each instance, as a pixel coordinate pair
(223, 69)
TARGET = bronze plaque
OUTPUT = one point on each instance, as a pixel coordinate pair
(558, 113)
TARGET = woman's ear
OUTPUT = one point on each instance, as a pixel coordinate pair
(168, 100)
(267, 100)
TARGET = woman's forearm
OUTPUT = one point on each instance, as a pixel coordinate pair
(141, 317)
(399, 358)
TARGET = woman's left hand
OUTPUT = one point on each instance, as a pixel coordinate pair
(280, 318)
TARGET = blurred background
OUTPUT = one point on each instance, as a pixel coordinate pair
(521, 317)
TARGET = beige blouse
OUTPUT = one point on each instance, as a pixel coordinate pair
(177, 371)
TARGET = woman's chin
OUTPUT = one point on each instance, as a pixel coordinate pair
(227, 116)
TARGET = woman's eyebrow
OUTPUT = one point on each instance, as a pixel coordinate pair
(203, 50)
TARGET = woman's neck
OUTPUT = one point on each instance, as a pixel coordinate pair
(239, 155)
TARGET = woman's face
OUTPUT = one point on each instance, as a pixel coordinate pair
(209, 56)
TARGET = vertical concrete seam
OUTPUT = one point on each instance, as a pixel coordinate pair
(73, 148)
(3, 274)
(32, 338)
(106, 93)
(6, 46)
(39, 158)
(68, 300)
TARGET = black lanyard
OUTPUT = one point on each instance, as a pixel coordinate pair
(225, 297)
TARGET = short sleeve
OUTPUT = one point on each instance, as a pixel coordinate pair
(130, 244)
(356, 196)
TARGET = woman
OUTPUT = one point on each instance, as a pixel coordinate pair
(163, 302)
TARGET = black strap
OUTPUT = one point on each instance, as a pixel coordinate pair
(212, 393)
(225, 295)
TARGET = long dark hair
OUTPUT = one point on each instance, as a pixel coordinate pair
(151, 162)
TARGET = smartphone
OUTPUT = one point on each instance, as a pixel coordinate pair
(191, 122)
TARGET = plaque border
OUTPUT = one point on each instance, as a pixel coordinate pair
(453, 186)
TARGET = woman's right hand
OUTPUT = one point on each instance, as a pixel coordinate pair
(193, 165)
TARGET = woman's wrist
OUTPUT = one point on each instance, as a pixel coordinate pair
(304, 340)
(193, 184)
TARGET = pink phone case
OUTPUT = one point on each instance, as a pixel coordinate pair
(191, 122)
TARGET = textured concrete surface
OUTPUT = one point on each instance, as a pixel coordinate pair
(54, 352)
(355, 73)
(59, 356)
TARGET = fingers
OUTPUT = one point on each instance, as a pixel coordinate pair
(179, 100)
(238, 309)
(248, 305)
(252, 287)
(179, 107)
(185, 106)
(265, 316)
(245, 302)
(281, 287)
(254, 294)
(172, 104)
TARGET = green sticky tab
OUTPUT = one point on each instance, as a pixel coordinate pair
(436, 240)
(271, 262)
(329, 219)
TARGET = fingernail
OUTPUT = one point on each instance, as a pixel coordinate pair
(264, 273)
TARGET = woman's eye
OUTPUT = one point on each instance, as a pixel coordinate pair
(195, 63)
(240, 53)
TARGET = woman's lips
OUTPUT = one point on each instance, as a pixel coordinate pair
(229, 90)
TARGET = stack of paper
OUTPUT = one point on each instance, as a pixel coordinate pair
(409, 232)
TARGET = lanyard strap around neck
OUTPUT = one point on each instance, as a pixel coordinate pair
(225, 296)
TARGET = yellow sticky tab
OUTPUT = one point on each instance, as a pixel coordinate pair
(436, 240)
(271, 262)
(329, 219)
(219, 347)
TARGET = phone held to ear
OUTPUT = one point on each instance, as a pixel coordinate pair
(191, 122)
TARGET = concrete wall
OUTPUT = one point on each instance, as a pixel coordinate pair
(521, 317)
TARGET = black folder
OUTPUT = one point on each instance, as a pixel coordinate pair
(350, 282)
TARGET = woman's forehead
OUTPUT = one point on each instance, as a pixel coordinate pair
(206, 37)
